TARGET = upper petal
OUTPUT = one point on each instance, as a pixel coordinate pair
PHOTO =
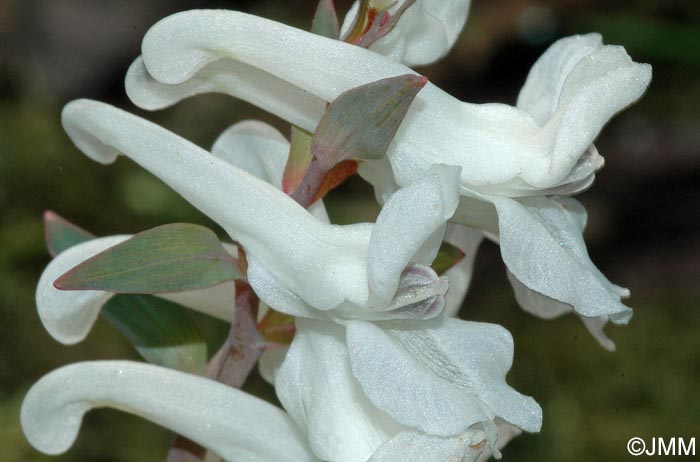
(437, 129)
(540, 93)
(573, 90)
(317, 387)
(410, 228)
(289, 251)
(212, 414)
(440, 376)
(542, 244)
(243, 81)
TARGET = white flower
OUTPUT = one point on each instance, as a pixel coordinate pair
(426, 31)
(293, 74)
(214, 415)
(297, 263)
(541, 147)
(396, 388)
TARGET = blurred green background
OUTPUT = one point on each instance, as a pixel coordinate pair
(644, 227)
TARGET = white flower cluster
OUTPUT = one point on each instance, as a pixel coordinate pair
(379, 368)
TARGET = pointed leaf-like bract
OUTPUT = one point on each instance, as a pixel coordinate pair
(163, 332)
(168, 258)
(362, 122)
(60, 234)
(448, 256)
(325, 21)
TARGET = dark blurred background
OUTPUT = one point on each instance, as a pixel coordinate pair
(644, 227)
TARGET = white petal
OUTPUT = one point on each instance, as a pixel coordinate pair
(195, 36)
(467, 239)
(424, 34)
(536, 303)
(240, 80)
(273, 294)
(212, 414)
(414, 446)
(477, 213)
(595, 327)
(440, 376)
(317, 388)
(378, 173)
(270, 362)
(580, 177)
(255, 147)
(540, 93)
(574, 89)
(68, 315)
(215, 301)
(502, 149)
(547, 308)
(542, 245)
(262, 151)
(413, 216)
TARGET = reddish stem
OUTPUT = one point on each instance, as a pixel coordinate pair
(240, 352)
(231, 364)
(310, 184)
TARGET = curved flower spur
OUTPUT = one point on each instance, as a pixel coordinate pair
(53, 409)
